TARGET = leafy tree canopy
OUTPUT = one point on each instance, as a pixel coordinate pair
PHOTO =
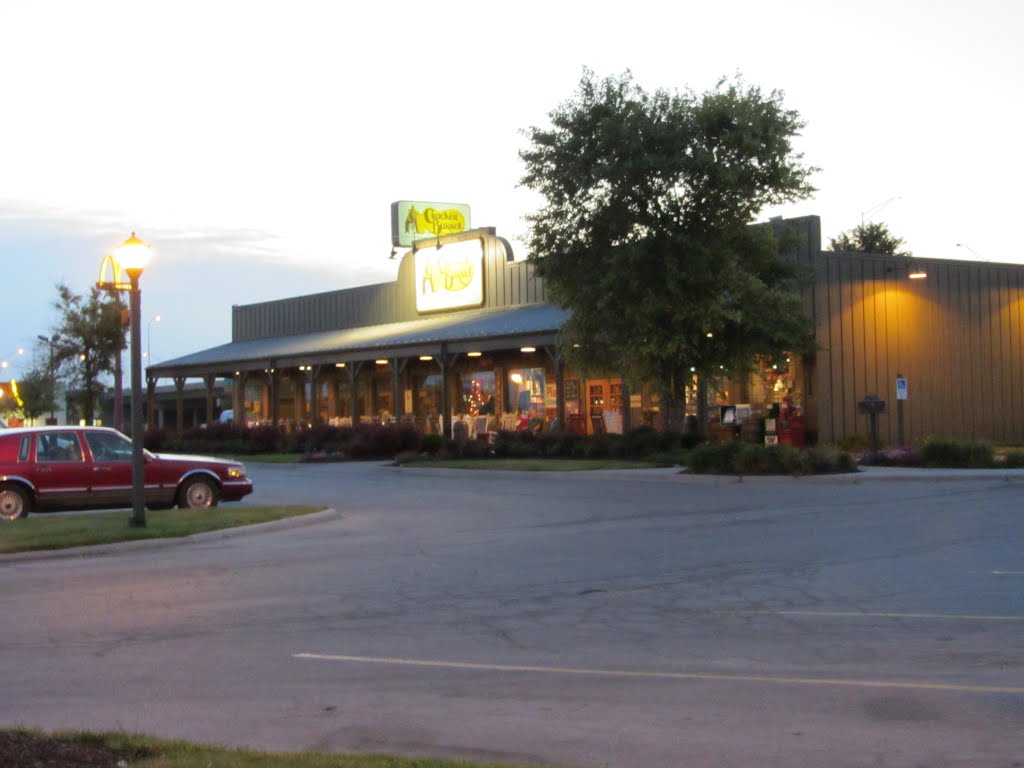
(645, 231)
(89, 335)
(872, 237)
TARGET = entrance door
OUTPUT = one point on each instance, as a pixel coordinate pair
(597, 394)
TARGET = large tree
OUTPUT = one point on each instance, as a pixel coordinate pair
(872, 237)
(89, 336)
(645, 234)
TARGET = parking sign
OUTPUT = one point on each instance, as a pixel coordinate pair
(901, 388)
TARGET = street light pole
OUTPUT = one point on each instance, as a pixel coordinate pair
(132, 256)
(50, 341)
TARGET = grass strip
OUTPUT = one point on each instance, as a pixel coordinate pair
(42, 531)
(31, 748)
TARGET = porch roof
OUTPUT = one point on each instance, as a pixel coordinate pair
(483, 330)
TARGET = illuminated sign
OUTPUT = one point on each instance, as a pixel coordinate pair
(112, 277)
(450, 277)
(413, 220)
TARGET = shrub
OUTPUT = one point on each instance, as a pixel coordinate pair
(431, 444)
(957, 453)
(1013, 459)
(713, 458)
(754, 459)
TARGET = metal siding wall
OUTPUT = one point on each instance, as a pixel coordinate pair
(956, 336)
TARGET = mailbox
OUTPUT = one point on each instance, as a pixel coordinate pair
(871, 405)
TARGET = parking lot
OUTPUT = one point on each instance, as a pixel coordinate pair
(611, 618)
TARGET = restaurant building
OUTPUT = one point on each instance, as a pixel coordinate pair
(466, 334)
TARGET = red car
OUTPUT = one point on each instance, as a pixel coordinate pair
(50, 468)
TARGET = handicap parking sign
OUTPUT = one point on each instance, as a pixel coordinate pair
(901, 388)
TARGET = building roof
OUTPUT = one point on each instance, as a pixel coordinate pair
(483, 330)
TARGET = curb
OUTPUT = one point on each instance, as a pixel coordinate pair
(99, 550)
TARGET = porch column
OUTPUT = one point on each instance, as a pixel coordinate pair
(209, 379)
(179, 398)
(272, 410)
(397, 369)
(627, 420)
(313, 375)
(238, 398)
(353, 378)
(298, 379)
(445, 362)
(150, 401)
(556, 357)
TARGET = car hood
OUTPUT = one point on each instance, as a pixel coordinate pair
(179, 457)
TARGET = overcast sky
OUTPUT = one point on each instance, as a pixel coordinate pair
(257, 146)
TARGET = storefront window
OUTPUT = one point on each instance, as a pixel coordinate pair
(254, 400)
(526, 388)
(477, 391)
(428, 395)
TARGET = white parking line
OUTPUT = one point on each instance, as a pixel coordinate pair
(622, 673)
(884, 615)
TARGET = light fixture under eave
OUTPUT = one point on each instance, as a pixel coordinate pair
(917, 274)
(339, 365)
(426, 358)
(527, 349)
(473, 354)
(381, 362)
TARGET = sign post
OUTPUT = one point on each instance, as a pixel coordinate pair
(901, 395)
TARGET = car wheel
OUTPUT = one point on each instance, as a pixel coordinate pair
(197, 493)
(14, 502)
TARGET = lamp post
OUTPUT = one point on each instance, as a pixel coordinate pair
(50, 341)
(133, 256)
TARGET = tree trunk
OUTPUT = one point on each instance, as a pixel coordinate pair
(702, 405)
(673, 405)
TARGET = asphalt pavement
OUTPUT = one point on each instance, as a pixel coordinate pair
(637, 618)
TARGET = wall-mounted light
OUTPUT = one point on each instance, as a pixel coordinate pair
(527, 349)
(473, 354)
(339, 365)
(912, 272)
(426, 358)
(381, 362)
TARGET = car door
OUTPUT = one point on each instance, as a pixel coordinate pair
(61, 474)
(111, 484)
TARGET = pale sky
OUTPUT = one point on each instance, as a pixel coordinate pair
(258, 146)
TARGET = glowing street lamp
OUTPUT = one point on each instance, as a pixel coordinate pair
(132, 256)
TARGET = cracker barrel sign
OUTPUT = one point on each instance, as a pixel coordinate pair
(413, 220)
(449, 276)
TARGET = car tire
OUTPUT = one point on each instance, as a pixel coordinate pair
(197, 493)
(14, 502)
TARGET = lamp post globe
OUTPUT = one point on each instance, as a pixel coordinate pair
(132, 256)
